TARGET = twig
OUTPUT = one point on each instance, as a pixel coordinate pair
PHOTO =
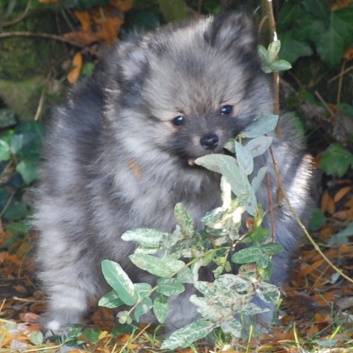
(270, 202)
(299, 222)
(40, 35)
(42, 98)
(20, 18)
(272, 22)
(318, 95)
(7, 204)
(341, 74)
(340, 81)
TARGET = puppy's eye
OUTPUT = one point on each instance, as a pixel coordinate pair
(178, 120)
(226, 109)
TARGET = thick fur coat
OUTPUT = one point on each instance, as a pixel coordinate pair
(118, 155)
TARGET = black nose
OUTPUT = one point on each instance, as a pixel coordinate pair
(209, 142)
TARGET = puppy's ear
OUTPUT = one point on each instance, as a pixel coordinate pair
(232, 32)
(132, 59)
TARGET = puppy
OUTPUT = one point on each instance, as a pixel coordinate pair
(119, 156)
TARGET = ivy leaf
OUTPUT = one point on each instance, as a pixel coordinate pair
(292, 48)
(318, 8)
(28, 170)
(336, 160)
(119, 281)
(5, 151)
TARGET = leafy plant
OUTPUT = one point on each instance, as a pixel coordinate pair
(20, 150)
(161, 254)
(305, 24)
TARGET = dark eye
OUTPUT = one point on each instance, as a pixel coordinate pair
(178, 120)
(226, 109)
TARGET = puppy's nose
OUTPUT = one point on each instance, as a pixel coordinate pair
(209, 142)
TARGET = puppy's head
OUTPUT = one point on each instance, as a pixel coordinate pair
(188, 89)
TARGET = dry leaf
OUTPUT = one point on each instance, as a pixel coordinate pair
(75, 72)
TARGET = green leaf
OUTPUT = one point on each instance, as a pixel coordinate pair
(169, 286)
(259, 145)
(272, 248)
(185, 336)
(17, 142)
(173, 10)
(267, 292)
(256, 182)
(110, 300)
(317, 219)
(247, 255)
(20, 227)
(149, 238)
(261, 126)
(142, 308)
(160, 307)
(280, 65)
(260, 234)
(244, 158)
(184, 219)
(318, 8)
(5, 151)
(119, 281)
(28, 171)
(273, 50)
(336, 160)
(232, 326)
(159, 267)
(342, 237)
(37, 338)
(330, 47)
(292, 48)
(7, 118)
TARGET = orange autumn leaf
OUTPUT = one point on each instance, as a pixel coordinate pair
(83, 38)
(346, 215)
(309, 269)
(324, 201)
(339, 4)
(326, 232)
(342, 193)
(313, 330)
(75, 72)
(84, 18)
(348, 54)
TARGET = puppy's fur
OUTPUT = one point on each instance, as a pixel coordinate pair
(118, 152)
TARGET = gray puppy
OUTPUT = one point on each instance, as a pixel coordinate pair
(119, 155)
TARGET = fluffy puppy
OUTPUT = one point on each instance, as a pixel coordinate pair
(119, 155)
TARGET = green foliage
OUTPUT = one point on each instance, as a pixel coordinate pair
(175, 259)
(270, 63)
(173, 10)
(317, 220)
(20, 150)
(310, 23)
(336, 160)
